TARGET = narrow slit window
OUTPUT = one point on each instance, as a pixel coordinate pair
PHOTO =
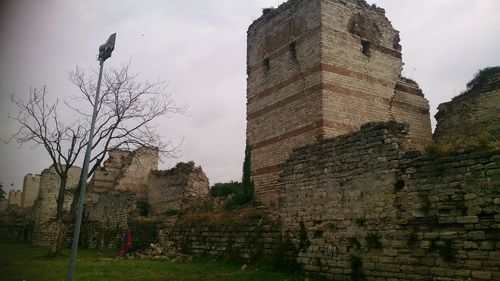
(266, 63)
(293, 50)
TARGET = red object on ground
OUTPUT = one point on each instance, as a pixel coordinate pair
(126, 243)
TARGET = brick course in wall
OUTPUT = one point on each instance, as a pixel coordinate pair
(322, 68)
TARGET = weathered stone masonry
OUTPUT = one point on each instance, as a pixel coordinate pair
(371, 209)
(129, 187)
(31, 186)
(473, 116)
(318, 69)
(179, 188)
(44, 210)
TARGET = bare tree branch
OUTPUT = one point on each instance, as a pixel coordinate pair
(126, 111)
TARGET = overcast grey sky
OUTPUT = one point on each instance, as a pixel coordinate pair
(199, 47)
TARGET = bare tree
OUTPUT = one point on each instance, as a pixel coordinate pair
(126, 112)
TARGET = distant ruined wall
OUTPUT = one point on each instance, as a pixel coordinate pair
(31, 186)
(359, 206)
(177, 188)
(15, 197)
(15, 223)
(322, 68)
(129, 187)
(44, 210)
(472, 117)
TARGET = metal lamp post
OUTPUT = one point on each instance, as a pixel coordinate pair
(105, 51)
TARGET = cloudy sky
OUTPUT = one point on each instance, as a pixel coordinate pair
(199, 48)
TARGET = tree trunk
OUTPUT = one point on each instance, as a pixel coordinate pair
(61, 226)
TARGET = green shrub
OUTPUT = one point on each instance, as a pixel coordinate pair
(225, 189)
(357, 268)
(360, 221)
(304, 242)
(373, 241)
(284, 255)
(447, 252)
(412, 239)
(482, 77)
(243, 193)
(354, 243)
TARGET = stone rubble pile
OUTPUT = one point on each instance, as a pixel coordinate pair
(166, 250)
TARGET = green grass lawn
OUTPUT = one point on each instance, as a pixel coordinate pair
(23, 262)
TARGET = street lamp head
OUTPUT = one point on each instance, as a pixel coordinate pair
(106, 48)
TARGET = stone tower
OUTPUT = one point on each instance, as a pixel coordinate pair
(321, 68)
(31, 186)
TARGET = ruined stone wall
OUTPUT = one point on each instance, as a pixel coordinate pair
(361, 207)
(129, 185)
(472, 117)
(15, 223)
(408, 105)
(246, 237)
(31, 186)
(176, 189)
(105, 220)
(15, 197)
(361, 73)
(126, 171)
(44, 209)
(318, 69)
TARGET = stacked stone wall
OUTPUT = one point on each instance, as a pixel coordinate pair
(371, 210)
(44, 209)
(228, 237)
(471, 118)
(31, 186)
(106, 219)
(15, 223)
(319, 69)
(409, 106)
(176, 189)
(127, 190)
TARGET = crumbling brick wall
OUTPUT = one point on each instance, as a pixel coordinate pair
(318, 69)
(129, 185)
(359, 206)
(176, 189)
(126, 170)
(44, 209)
(473, 117)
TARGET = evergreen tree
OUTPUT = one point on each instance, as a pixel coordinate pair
(246, 181)
(2, 192)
